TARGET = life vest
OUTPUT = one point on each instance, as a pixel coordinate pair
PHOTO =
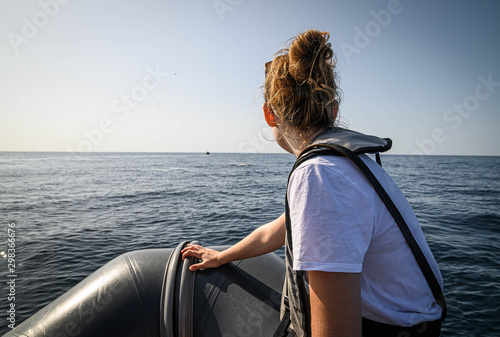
(295, 307)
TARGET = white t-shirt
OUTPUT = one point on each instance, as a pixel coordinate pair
(340, 224)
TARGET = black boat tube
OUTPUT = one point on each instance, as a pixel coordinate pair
(123, 298)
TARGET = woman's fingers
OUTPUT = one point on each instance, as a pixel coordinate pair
(197, 266)
(191, 253)
(208, 257)
(191, 247)
(191, 250)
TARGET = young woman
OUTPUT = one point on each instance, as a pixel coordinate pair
(342, 241)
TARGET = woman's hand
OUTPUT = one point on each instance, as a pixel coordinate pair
(210, 258)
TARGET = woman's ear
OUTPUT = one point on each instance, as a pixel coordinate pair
(269, 115)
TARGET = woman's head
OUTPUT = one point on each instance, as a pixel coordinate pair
(301, 84)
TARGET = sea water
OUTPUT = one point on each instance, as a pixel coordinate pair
(70, 214)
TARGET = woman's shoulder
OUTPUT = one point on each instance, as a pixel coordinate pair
(335, 173)
(328, 165)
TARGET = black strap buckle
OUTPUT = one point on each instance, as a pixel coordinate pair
(285, 321)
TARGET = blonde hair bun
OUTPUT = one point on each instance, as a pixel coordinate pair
(301, 83)
(309, 54)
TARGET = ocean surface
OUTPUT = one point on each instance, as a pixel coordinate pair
(72, 214)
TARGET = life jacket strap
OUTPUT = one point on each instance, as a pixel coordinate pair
(285, 320)
(284, 324)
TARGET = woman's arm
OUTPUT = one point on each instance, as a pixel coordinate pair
(263, 240)
(335, 304)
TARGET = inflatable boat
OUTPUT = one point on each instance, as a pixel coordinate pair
(150, 293)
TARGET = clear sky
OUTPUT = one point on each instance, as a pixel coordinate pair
(183, 76)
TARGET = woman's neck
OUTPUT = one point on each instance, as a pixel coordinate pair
(295, 141)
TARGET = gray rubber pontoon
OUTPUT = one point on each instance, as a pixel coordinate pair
(153, 293)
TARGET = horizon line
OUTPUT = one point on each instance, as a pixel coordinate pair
(223, 152)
